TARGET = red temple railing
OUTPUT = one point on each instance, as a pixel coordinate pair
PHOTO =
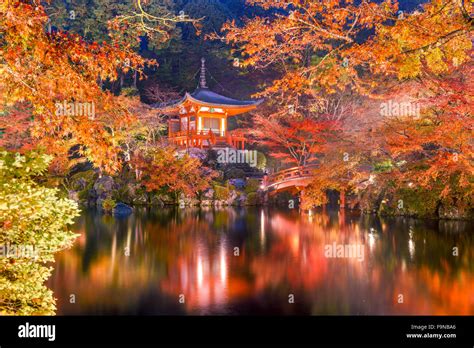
(205, 138)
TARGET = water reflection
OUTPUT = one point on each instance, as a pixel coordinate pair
(247, 261)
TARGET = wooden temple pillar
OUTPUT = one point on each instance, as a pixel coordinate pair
(223, 126)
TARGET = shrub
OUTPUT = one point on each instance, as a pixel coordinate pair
(252, 185)
(261, 160)
(32, 218)
(108, 205)
(252, 199)
(122, 194)
(221, 193)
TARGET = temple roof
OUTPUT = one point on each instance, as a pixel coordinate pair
(205, 97)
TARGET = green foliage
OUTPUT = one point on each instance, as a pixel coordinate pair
(22, 289)
(423, 202)
(34, 218)
(252, 185)
(383, 167)
(16, 166)
(130, 91)
(261, 160)
(252, 198)
(122, 194)
(90, 18)
(221, 193)
(108, 205)
(415, 202)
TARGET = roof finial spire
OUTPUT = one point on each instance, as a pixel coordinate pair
(202, 81)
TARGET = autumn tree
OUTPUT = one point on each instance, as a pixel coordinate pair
(157, 94)
(435, 40)
(366, 49)
(161, 168)
(48, 71)
(318, 45)
(294, 141)
(436, 149)
(55, 74)
(307, 41)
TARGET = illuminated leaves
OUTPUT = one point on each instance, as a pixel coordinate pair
(308, 31)
(34, 216)
(410, 67)
(294, 141)
(45, 69)
(433, 40)
(323, 49)
(161, 168)
(438, 145)
(435, 61)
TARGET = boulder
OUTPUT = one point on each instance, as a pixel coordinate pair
(232, 198)
(200, 154)
(140, 199)
(82, 180)
(122, 210)
(208, 194)
(206, 203)
(241, 200)
(454, 212)
(165, 198)
(103, 187)
(156, 200)
(188, 201)
(237, 183)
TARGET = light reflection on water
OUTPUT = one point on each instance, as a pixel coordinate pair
(248, 261)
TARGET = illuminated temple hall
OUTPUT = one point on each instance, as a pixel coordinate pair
(199, 119)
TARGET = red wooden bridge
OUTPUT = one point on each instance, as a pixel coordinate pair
(289, 179)
(294, 179)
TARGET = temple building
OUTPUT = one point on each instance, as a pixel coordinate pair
(199, 119)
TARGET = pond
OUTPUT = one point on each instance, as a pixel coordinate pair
(232, 261)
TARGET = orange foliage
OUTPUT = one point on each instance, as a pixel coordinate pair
(49, 70)
(294, 141)
(163, 168)
(367, 50)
